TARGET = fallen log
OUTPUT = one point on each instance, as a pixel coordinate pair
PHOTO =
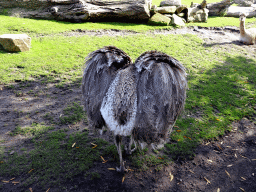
(234, 11)
(84, 10)
(122, 9)
(28, 4)
(219, 8)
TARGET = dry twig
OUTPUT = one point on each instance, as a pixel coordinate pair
(228, 173)
(207, 180)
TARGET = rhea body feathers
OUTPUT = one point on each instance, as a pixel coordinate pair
(140, 101)
(101, 68)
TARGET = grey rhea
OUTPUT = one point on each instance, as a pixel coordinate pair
(139, 102)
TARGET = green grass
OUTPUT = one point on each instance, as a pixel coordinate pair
(221, 90)
(35, 130)
(36, 28)
(43, 27)
(72, 114)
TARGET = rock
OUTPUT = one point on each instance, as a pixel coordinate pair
(177, 21)
(192, 11)
(167, 15)
(182, 11)
(203, 4)
(15, 42)
(159, 19)
(204, 15)
(197, 15)
(170, 3)
(166, 10)
(154, 7)
(181, 14)
(194, 5)
(153, 10)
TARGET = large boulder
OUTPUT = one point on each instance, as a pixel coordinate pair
(170, 3)
(159, 19)
(177, 21)
(166, 10)
(15, 42)
(182, 11)
(197, 15)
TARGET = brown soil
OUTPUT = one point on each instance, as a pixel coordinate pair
(228, 164)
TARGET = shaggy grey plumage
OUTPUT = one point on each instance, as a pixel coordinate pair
(138, 101)
(101, 68)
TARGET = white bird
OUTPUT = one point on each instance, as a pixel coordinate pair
(139, 101)
(247, 36)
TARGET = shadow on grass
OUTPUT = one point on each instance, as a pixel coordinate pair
(216, 98)
(236, 42)
(3, 51)
(123, 23)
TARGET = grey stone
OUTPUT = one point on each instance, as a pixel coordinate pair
(177, 21)
(170, 3)
(159, 19)
(153, 10)
(197, 15)
(168, 15)
(194, 5)
(166, 10)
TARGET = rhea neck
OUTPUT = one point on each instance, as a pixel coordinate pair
(242, 27)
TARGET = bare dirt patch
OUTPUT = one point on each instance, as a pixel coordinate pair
(228, 164)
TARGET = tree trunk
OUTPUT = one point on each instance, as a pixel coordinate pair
(219, 8)
(28, 4)
(84, 10)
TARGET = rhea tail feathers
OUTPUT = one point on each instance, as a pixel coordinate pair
(140, 101)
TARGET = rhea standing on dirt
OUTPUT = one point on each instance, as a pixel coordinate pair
(138, 101)
(247, 36)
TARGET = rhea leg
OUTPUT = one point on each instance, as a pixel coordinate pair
(129, 150)
(101, 130)
(118, 140)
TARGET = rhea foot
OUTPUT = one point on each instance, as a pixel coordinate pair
(122, 169)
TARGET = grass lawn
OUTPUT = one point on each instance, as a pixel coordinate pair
(221, 90)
